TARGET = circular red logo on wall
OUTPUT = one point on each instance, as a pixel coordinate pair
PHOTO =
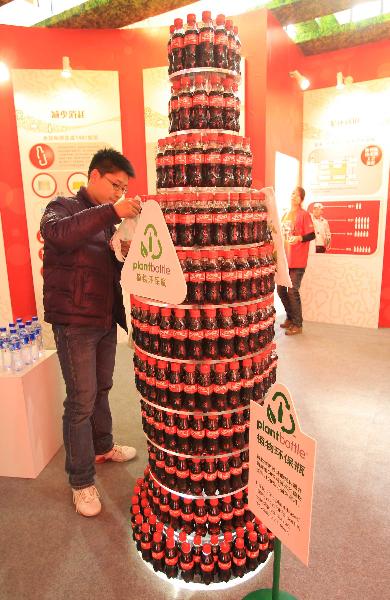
(41, 156)
(371, 155)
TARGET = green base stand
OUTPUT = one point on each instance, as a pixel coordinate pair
(273, 594)
(267, 595)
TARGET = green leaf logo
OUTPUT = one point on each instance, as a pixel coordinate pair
(283, 404)
(151, 244)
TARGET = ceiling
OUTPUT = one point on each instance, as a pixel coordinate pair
(314, 26)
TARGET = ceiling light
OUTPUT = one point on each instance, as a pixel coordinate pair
(303, 82)
(4, 72)
(66, 72)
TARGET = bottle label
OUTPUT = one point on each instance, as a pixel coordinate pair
(227, 516)
(232, 43)
(170, 562)
(238, 512)
(224, 475)
(236, 471)
(186, 566)
(196, 476)
(229, 275)
(214, 518)
(240, 562)
(212, 158)
(177, 42)
(239, 428)
(188, 517)
(162, 385)
(207, 568)
(180, 159)
(254, 328)
(225, 566)
(165, 334)
(158, 555)
(182, 475)
(200, 519)
(168, 161)
(175, 513)
(227, 334)
(220, 218)
(185, 101)
(242, 332)
(213, 276)
(229, 102)
(174, 104)
(211, 334)
(240, 160)
(206, 37)
(247, 383)
(211, 434)
(180, 334)
(263, 547)
(190, 388)
(200, 99)
(170, 471)
(204, 218)
(221, 389)
(190, 39)
(158, 161)
(183, 433)
(170, 430)
(195, 158)
(227, 433)
(197, 277)
(246, 274)
(170, 218)
(216, 101)
(221, 38)
(234, 386)
(195, 335)
(205, 390)
(252, 553)
(210, 476)
(197, 435)
(145, 545)
(228, 159)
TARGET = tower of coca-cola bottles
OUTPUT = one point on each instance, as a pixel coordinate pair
(198, 365)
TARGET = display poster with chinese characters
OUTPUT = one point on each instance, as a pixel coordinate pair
(61, 123)
(346, 147)
(152, 269)
(5, 300)
(281, 470)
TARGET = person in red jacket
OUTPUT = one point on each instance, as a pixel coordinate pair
(298, 230)
(83, 301)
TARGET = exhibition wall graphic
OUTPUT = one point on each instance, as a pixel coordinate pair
(61, 123)
(5, 300)
(345, 167)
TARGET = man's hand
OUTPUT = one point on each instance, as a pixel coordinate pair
(294, 239)
(127, 207)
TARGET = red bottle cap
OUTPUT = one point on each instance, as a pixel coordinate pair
(240, 532)
(190, 368)
(214, 502)
(214, 539)
(253, 536)
(205, 368)
(157, 537)
(191, 18)
(220, 20)
(206, 16)
(206, 549)
(145, 527)
(227, 499)
(175, 367)
(228, 536)
(199, 502)
(178, 23)
(220, 368)
(197, 540)
(239, 543)
(170, 543)
(224, 547)
(182, 537)
(186, 548)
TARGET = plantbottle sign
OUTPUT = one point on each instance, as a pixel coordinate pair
(281, 470)
(152, 268)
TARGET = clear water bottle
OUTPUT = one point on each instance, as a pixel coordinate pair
(34, 347)
(19, 321)
(6, 360)
(17, 361)
(21, 331)
(11, 326)
(29, 327)
(37, 328)
(25, 348)
(13, 335)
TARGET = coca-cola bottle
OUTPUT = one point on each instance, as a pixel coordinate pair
(151, 379)
(212, 161)
(179, 334)
(221, 44)
(195, 160)
(196, 476)
(203, 220)
(162, 383)
(186, 563)
(205, 48)
(237, 106)
(258, 389)
(245, 467)
(199, 116)
(190, 42)
(234, 385)
(238, 51)
(146, 542)
(170, 471)
(164, 506)
(234, 219)
(229, 107)
(159, 159)
(174, 124)
(214, 543)
(240, 161)
(247, 218)
(220, 219)
(177, 44)
(254, 264)
(159, 428)
(212, 434)
(227, 514)
(210, 475)
(228, 277)
(168, 164)
(214, 517)
(170, 216)
(158, 552)
(247, 381)
(238, 511)
(189, 388)
(183, 441)
(249, 161)
(195, 335)
(207, 565)
(239, 430)
(263, 538)
(216, 102)
(227, 333)
(244, 275)
(236, 472)
(185, 104)
(252, 552)
(169, 49)
(175, 387)
(197, 436)
(224, 562)
(171, 559)
(239, 558)
(165, 333)
(210, 325)
(223, 482)
(254, 327)
(170, 432)
(212, 271)
(231, 52)
(196, 281)
(187, 516)
(197, 553)
(175, 512)
(228, 161)
(180, 161)
(205, 388)
(242, 330)
(200, 517)
(137, 532)
(186, 221)
(220, 395)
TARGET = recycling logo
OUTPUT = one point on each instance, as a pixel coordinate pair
(151, 245)
(283, 407)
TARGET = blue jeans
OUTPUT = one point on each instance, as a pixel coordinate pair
(291, 298)
(87, 359)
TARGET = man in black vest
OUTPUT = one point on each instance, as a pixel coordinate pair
(83, 302)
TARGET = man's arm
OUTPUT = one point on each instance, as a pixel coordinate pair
(68, 232)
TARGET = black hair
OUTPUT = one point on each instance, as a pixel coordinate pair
(301, 193)
(108, 160)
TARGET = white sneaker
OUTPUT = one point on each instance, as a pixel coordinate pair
(117, 454)
(87, 501)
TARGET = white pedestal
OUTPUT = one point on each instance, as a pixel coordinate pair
(31, 417)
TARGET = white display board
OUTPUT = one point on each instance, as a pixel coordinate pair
(61, 123)
(345, 167)
(5, 300)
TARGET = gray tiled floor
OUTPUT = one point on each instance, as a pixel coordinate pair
(339, 378)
